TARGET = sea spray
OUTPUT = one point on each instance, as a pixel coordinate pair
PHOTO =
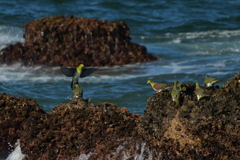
(17, 153)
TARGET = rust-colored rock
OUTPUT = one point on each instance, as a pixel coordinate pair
(204, 129)
(70, 41)
(77, 128)
(13, 112)
(208, 128)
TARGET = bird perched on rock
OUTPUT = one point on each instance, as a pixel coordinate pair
(77, 73)
(200, 92)
(77, 91)
(158, 87)
(181, 86)
(175, 93)
(209, 81)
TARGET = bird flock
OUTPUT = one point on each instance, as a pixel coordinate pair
(175, 88)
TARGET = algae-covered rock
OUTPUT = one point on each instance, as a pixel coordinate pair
(208, 128)
(70, 41)
(13, 112)
(77, 128)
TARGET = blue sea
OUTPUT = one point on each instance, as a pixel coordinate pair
(190, 38)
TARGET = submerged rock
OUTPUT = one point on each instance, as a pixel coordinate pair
(70, 41)
(204, 129)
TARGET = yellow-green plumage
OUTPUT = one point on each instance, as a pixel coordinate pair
(209, 81)
(200, 92)
(77, 91)
(76, 73)
(182, 86)
(158, 87)
(175, 93)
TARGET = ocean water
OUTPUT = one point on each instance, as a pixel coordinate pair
(190, 38)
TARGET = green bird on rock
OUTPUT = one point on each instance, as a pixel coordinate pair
(200, 92)
(77, 91)
(158, 87)
(175, 93)
(77, 73)
(209, 81)
(181, 86)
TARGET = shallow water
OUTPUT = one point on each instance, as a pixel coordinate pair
(190, 38)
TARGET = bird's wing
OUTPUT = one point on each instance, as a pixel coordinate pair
(69, 72)
(159, 86)
(206, 80)
(216, 79)
(87, 71)
(72, 87)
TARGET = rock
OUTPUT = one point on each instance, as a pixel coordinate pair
(13, 112)
(70, 41)
(204, 129)
(208, 128)
(79, 127)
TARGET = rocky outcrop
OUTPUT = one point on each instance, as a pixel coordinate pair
(208, 128)
(70, 41)
(204, 129)
(13, 112)
(79, 127)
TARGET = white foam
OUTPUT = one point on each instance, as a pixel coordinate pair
(85, 156)
(200, 53)
(210, 34)
(145, 152)
(180, 37)
(177, 40)
(17, 153)
(10, 35)
(103, 78)
(126, 154)
(178, 68)
(17, 72)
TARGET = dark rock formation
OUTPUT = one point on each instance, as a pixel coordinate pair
(208, 128)
(13, 112)
(204, 129)
(77, 128)
(70, 41)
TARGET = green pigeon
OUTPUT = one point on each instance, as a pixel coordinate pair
(158, 87)
(175, 93)
(209, 81)
(181, 86)
(77, 73)
(200, 92)
(77, 91)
